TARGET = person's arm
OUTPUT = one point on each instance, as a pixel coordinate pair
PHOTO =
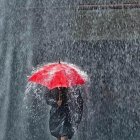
(80, 108)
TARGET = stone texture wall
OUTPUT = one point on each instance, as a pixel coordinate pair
(105, 43)
(107, 24)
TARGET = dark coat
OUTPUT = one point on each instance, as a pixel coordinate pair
(60, 122)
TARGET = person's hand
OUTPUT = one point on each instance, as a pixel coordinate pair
(59, 102)
(76, 125)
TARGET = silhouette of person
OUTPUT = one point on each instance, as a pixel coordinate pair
(60, 123)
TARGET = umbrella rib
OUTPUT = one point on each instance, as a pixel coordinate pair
(65, 76)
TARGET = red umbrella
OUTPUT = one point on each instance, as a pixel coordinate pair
(59, 75)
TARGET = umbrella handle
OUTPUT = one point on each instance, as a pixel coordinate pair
(59, 60)
(59, 94)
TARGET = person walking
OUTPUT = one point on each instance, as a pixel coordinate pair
(60, 122)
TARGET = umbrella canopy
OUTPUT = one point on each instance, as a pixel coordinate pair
(59, 75)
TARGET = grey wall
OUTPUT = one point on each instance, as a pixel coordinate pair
(105, 43)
